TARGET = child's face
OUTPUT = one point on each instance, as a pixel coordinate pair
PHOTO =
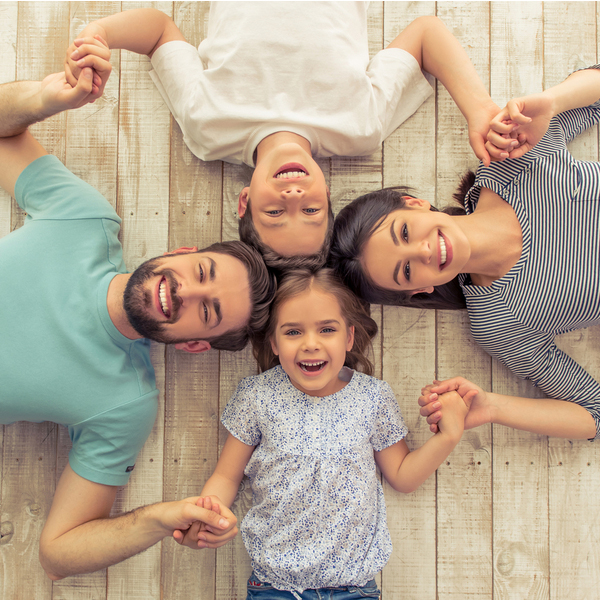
(311, 339)
(289, 198)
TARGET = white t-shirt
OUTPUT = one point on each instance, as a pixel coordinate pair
(301, 67)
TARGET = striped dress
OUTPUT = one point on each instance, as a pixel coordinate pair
(555, 285)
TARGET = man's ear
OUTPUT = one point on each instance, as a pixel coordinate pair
(182, 250)
(427, 290)
(194, 346)
(416, 203)
(243, 202)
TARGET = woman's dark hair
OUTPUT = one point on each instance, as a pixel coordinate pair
(354, 311)
(356, 223)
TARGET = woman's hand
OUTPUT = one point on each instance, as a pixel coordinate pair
(523, 121)
(474, 397)
(479, 128)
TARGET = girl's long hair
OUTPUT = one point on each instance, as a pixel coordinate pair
(354, 311)
(356, 223)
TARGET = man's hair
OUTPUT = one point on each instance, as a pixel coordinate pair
(277, 262)
(354, 226)
(262, 289)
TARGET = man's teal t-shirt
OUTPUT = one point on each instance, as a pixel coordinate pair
(61, 357)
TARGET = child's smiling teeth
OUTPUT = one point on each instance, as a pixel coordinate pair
(312, 366)
(290, 174)
(162, 292)
(442, 250)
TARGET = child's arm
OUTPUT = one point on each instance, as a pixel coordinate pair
(219, 491)
(438, 52)
(141, 30)
(527, 119)
(404, 470)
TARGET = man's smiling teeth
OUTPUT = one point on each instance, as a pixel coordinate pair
(162, 292)
(290, 174)
(312, 366)
(442, 251)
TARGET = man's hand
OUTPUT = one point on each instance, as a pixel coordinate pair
(208, 530)
(89, 51)
(57, 94)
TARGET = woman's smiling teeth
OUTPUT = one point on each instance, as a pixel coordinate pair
(442, 250)
(311, 367)
(162, 292)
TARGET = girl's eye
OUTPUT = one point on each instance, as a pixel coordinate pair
(328, 330)
(407, 271)
(274, 213)
(292, 332)
(404, 232)
(311, 211)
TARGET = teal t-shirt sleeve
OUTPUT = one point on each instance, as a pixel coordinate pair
(105, 446)
(46, 189)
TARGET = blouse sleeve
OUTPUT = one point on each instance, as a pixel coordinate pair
(389, 424)
(240, 416)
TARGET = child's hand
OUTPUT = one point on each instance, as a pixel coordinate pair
(523, 122)
(474, 397)
(201, 535)
(89, 51)
(454, 411)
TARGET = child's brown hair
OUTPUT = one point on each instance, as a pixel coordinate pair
(354, 311)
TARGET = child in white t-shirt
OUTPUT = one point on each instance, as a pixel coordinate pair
(276, 83)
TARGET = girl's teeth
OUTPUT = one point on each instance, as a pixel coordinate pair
(442, 251)
(306, 366)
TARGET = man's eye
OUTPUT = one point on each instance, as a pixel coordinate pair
(404, 232)
(205, 313)
(407, 271)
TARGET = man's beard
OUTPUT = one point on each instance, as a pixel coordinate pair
(138, 301)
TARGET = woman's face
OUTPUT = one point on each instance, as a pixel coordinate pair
(415, 249)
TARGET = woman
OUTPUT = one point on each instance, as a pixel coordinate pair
(524, 259)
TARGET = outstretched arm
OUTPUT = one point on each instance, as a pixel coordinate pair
(404, 470)
(527, 119)
(439, 53)
(80, 537)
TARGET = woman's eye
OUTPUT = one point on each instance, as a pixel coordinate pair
(201, 273)
(404, 232)
(407, 271)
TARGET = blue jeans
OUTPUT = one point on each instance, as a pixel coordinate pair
(260, 590)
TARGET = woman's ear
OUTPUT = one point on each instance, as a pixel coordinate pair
(427, 290)
(274, 347)
(416, 203)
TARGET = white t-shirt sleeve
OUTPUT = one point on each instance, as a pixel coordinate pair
(176, 72)
(399, 85)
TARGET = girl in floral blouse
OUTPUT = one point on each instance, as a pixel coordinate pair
(309, 432)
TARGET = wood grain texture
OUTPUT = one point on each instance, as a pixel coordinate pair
(508, 516)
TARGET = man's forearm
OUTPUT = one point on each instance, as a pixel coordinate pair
(103, 542)
(20, 106)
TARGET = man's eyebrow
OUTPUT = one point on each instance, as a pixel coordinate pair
(212, 268)
(393, 234)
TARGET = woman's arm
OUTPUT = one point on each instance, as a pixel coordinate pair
(527, 119)
(404, 470)
(439, 53)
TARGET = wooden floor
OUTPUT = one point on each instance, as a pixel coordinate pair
(509, 515)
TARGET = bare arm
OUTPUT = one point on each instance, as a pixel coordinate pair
(404, 470)
(80, 537)
(438, 52)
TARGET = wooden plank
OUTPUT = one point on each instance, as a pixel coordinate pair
(520, 459)
(30, 449)
(464, 503)
(408, 346)
(571, 42)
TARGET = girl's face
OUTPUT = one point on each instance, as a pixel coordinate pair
(415, 249)
(311, 339)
